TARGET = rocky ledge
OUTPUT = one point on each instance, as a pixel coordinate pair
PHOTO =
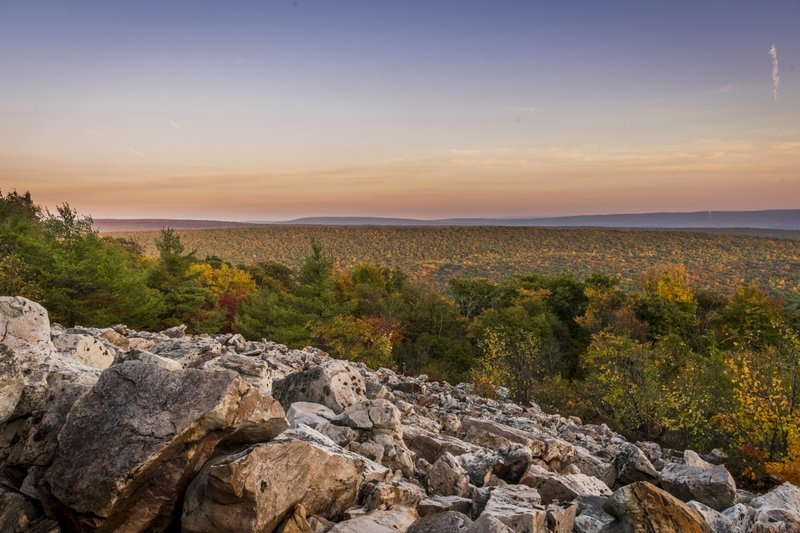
(118, 430)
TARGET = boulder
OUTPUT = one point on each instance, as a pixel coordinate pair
(446, 522)
(371, 415)
(711, 485)
(26, 356)
(633, 465)
(447, 478)
(253, 490)
(778, 508)
(441, 504)
(152, 359)
(488, 524)
(86, 349)
(387, 494)
(17, 512)
(391, 521)
(309, 414)
(490, 434)
(718, 522)
(554, 487)
(517, 507)
(334, 384)
(132, 443)
(591, 517)
(252, 370)
(430, 445)
(641, 507)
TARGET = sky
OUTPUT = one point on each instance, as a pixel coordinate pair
(276, 109)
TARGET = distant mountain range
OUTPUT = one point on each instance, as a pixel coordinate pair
(776, 219)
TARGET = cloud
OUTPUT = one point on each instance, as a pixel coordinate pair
(140, 154)
(519, 108)
(725, 89)
(174, 125)
(776, 73)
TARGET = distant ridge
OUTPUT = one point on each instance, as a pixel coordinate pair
(769, 219)
(106, 225)
(775, 219)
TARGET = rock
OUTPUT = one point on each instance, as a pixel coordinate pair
(131, 445)
(17, 512)
(441, 504)
(335, 384)
(594, 466)
(591, 517)
(26, 356)
(152, 359)
(254, 489)
(308, 414)
(296, 522)
(641, 507)
(446, 522)
(252, 370)
(711, 485)
(488, 524)
(691, 458)
(479, 465)
(86, 349)
(387, 494)
(430, 446)
(517, 507)
(371, 415)
(492, 435)
(447, 478)
(778, 508)
(554, 487)
(740, 517)
(392, 521)
(633, 465)
(718, 522)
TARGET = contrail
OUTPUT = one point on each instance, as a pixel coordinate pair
(776, 74)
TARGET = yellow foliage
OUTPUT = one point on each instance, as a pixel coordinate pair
(224, 280)
(670, 282)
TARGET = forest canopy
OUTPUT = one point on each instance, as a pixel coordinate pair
(662, 360)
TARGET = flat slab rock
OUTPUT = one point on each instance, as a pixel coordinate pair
(131, 444)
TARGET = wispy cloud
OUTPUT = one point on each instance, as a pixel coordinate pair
(725, 89)
(174, 125)
(99, 135)
(776, 73)
(140, 154)
(517, 109)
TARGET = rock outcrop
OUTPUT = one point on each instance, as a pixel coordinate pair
(110, 429)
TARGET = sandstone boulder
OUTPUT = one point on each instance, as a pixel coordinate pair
(447, 522)
(633, 465)
(255, 489)
(26, 356)
(252, 370)
(387, 494)
(642, 507)
(711, 485)
(391, 521)
(447, 478)
(431, 445)
(334, 384)
(86, 349)
(131, 445)
(554, 487)
(778, 508)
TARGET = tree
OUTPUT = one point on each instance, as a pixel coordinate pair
(183, 294)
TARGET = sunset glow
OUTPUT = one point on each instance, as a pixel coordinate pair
(275, 110)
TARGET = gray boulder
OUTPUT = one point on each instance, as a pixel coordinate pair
(711, 485)
(131, 445)
(334, 384)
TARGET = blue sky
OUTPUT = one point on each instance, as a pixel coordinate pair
(279, 109)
